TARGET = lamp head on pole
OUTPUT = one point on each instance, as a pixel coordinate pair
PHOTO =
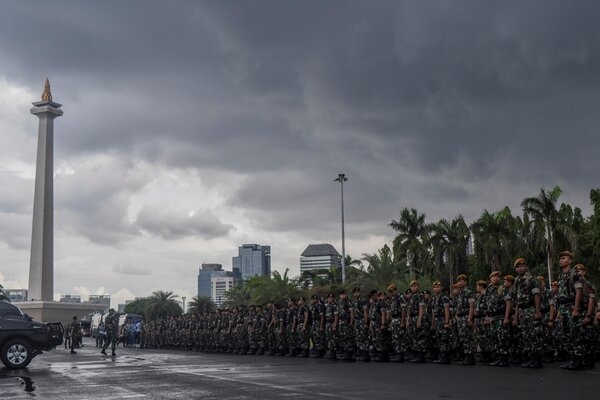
(341, 178)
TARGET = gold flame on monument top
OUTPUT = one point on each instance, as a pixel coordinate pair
(46, 94)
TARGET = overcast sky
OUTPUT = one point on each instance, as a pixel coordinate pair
(190, 128)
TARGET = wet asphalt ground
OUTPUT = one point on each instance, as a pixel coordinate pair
(162, 374)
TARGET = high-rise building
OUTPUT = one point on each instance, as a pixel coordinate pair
(320, 256)
(253, 260)
(219, 285)
(205, 274)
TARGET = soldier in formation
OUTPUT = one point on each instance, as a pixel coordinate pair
(512, 318)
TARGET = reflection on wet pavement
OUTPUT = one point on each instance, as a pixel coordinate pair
(22, 380)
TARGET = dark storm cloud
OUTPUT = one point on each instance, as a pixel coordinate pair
(396, 94)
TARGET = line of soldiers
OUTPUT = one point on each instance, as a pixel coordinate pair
(510, 319)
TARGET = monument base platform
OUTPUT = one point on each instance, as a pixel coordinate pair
(54, 311)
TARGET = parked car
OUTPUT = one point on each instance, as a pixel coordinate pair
(22, 338)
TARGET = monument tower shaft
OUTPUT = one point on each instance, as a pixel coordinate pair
(41, 268)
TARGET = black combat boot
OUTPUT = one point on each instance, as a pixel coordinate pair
(503, 361)
(419, 358)
(442, 359)
(458, 355)
(485, 357)
(103, 352)
(575, 365)
(469, 360)
(291, 353)
(526, 363)
(305, 353)
(536, 361)
(73, 351)
(589, 361)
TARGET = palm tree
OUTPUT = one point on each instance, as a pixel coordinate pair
(449, 242)
(412, 232)
(490, 232)
(543, 209)
(277, 289)
(238, 296)
(163, 304)
(201, 304)
(380, 271)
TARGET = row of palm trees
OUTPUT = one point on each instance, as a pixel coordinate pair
(493, 240)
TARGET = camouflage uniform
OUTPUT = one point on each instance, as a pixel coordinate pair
(532, 334)
(464, 331)
(361, 336)
(568, 283)
(482, 330)
(302, 333)
(417, 336)
(111, 325)
(345, 339)
(317, 315)
(498, 297)
(290, 329)
(441, 332)
(377, 331)
(330, 333)
(397, 307)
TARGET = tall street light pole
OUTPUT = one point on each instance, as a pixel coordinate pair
(341, 179)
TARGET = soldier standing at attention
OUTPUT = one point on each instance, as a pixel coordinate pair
(440, 313)
(465, 307)
(500, 309)
(290, 319)
(303, 328)
(330, 333)
(317, 311)
(397, 317)
(494, 311)
(529, 314)
(481, 325)
(587, 327)
(417, 334)
(570, 295)
(111, 325)
(360, 321)
(282, 347)
(343, 326)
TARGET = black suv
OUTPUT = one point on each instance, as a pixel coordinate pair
(21, 338)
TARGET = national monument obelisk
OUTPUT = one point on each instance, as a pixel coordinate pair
(41, 267)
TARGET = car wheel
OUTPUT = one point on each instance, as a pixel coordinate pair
(16, 354)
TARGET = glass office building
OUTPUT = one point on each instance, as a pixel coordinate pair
(253, 260)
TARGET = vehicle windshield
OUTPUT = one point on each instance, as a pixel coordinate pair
(8, 309)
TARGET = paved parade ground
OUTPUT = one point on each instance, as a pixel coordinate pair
(162, 374)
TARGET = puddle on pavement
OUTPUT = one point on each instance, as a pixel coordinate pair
(25, 381)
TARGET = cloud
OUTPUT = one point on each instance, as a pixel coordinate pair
(171, 225)
(127, 269)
